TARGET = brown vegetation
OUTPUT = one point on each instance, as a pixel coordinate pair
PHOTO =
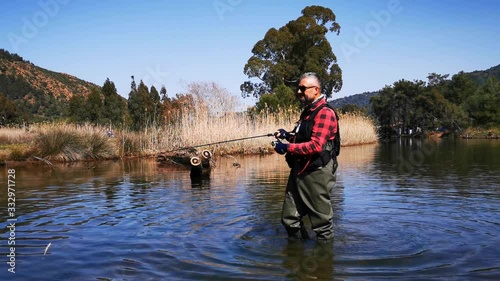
(61, 85)
(356, 129)
(206, 114)
(68, 142)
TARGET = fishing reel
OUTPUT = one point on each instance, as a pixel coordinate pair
(273, 143)
(207, 154)
(195, 161)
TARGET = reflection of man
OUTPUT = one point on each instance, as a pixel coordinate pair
(309, 264)
(311, 158)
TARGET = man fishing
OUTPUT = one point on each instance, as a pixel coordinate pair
(310, 153)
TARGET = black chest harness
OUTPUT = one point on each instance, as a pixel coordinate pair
(330, 150)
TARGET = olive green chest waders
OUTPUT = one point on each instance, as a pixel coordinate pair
(309, 194)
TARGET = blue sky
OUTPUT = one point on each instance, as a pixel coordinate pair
(173, 43)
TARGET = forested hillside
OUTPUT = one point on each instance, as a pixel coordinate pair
(481, 76)
(31, 93)
(363, 100)
(359, 100)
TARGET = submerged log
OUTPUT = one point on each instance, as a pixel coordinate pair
(201, 164)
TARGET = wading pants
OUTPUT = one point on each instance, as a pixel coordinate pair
(309, 195)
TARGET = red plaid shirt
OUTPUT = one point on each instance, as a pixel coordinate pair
(324, 128)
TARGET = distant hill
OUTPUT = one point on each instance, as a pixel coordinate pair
(38, 92)
(363, 99)
(480, 76)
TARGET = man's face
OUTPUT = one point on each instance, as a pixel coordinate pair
(308, 90)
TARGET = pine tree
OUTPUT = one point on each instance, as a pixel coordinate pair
(94, 107)
(115, 107)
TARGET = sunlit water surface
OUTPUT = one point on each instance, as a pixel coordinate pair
(404, 210)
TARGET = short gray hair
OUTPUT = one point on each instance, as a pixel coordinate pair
(313, 75)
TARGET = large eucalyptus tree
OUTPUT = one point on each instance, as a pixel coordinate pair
(299, 46)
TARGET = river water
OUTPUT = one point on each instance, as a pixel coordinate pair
(403, 210)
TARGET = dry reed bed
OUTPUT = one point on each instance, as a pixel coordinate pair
(204, 129)
(15, 135)
(357, 129)
(69, 142)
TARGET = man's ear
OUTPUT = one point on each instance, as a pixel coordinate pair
(318, 91)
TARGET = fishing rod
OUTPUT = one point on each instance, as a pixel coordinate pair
(219, 142)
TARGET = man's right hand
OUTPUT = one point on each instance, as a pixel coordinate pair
(281, 134)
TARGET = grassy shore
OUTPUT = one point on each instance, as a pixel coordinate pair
(69, 142)
(478, 133)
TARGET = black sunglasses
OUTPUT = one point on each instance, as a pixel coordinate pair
(302, 89)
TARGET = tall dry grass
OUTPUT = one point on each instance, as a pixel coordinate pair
(356, 129)
(209, 117)
(68, 142)
(15, 135)
(200, 128)
(15, 143)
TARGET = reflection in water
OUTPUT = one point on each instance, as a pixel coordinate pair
(198, 182)
(358, 157)
(135, 220)
(309, 261)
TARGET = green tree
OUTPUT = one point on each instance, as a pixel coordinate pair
(460, 88)
(115, 107)
(135, 109)
(411, 105)
(9, 112)
(394, 107)
(94, 106)
(439, 112)
(140, 106)
(156, 107)
(436, 79)
(299, 46)
(383, 111)
(4, 54)
(453, 117)
(77, 109)
(483, 106)
(55, 108)
(281, 98)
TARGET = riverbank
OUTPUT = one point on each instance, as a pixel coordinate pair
(65, 142)
(479, 133)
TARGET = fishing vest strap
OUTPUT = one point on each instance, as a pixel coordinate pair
(329, 151)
